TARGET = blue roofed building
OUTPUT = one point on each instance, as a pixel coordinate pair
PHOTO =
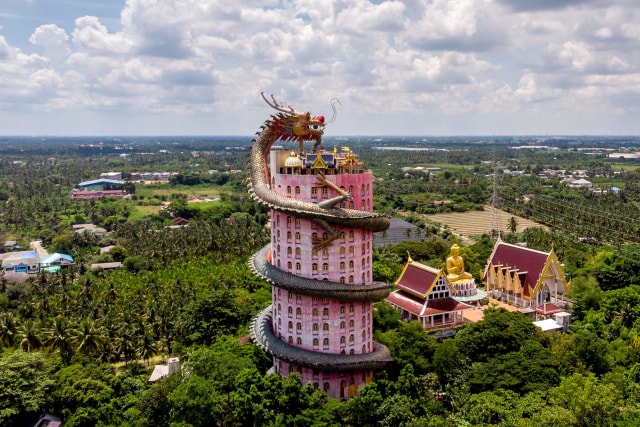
(99, 188)
(21, 262)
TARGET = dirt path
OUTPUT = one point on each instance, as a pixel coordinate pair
(36, 245)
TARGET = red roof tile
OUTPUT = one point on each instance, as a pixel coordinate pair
(529, 262)
(414, 305)
(444, 305)
(417, 279)
(548, 309)
(406, 301)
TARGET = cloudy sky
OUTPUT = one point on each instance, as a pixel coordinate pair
(415, 67)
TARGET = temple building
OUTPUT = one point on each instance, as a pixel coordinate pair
(525, 277)
(319, 261)
(425, 294)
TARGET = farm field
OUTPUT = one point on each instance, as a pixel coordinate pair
(475, 223)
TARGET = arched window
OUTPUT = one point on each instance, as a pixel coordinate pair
(351, 234)
(342, 324)
(315, 327)
(315, 312)
(325, 267)
(341, 265)
(298, 311)
(290, 324)
(343, 340)
(289, 265)
(351, 308)
(314, 267)
(290, 311)
(297, 237)
(298, 326)
(299, 252)
(351, 324)
(297, 190)
(288, 189)
(325, 342)
(364, 336)
(289, 250)
(315, 342)
(290, 340)
(325, 312)
(352, 338)
(299, 341)
(351, 265)
(299, 267)
(350, 278)
(325, 327)
(342, 279)
(342, 309)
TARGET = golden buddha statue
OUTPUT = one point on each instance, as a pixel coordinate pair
(455, 267)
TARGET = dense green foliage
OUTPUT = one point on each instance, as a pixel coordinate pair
(81, 343)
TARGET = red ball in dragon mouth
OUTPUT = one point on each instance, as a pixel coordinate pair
(320, 119)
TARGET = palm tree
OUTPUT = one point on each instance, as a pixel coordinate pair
(512, 225)
(8, 330)
(89, 338)
(29, 336)
(147, 348)
(407, 233)
(125, 344)
(60, 337)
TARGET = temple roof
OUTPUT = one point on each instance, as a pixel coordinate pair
(417, 278)
(548, 309)
(528, 263)
(417, 306)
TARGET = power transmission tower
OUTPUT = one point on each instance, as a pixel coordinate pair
(495, 227)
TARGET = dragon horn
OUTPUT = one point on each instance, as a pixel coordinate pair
(276, 105)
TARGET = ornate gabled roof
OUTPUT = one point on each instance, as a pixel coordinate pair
(417, 306)
(417, 279)
(548, 309)
(528, 263)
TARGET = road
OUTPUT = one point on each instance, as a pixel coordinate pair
(36, 245)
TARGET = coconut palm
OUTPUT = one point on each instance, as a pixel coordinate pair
(59, 337)
(147, 348)
(8, 330)
(89, 338)
(29, 336)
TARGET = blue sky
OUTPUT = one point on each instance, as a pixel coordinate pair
(417, 67)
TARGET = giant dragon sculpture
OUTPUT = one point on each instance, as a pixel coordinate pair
(290, 125)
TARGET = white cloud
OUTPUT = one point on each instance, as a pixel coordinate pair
(393, 61)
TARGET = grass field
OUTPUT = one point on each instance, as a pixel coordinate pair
(475, 223)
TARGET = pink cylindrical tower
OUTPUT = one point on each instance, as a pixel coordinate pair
(322, 297)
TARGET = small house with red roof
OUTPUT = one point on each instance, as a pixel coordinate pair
(425, 295)
(525, 277)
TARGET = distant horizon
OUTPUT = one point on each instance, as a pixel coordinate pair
(169, 135)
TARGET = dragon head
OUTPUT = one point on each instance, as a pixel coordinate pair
(293, 125)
